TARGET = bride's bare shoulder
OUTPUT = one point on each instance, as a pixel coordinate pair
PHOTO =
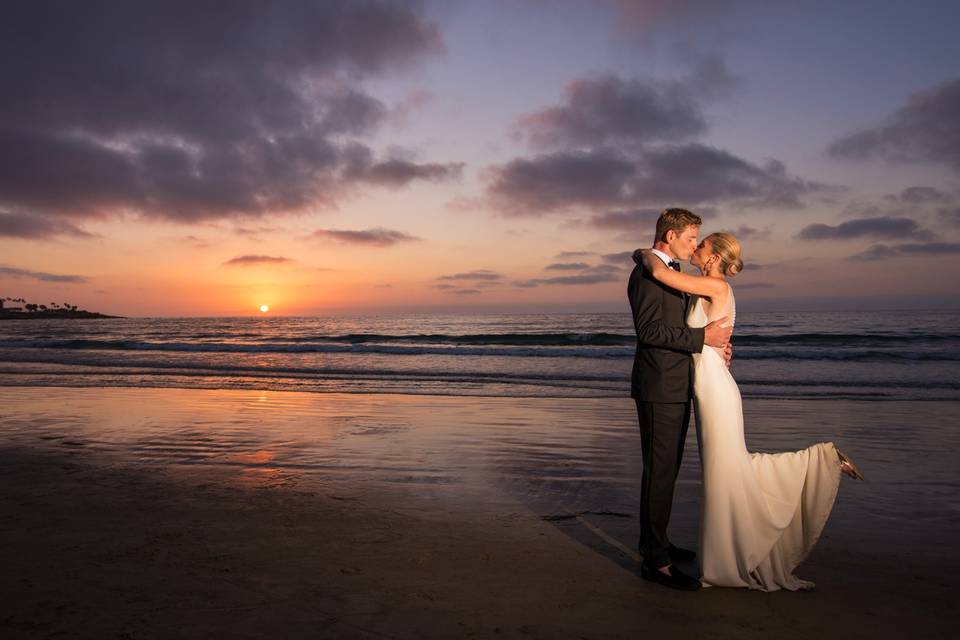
(721, 302)
(723, 293)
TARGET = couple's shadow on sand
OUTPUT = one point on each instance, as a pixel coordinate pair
(612, 533)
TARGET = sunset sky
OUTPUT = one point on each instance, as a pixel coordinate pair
(202, 158)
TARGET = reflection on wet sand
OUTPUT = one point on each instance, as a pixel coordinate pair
(556, 456)
(273, 512)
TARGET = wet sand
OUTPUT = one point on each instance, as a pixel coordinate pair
(128, 513)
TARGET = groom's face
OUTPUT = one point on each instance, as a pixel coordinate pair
(684, 244)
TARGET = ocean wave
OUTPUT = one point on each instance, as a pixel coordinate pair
(212, 369)
(847, 356)
(842, 339)
(590, 339)
(440, 386)
(387, 349)
(80, 368)
(493, 339)
(779, 348)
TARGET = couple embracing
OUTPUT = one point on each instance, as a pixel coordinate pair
(761, 514)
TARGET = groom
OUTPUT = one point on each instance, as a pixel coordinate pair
(661, 385)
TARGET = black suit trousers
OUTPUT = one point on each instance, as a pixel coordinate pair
(663, 430)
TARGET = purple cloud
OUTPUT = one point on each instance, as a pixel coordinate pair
(925, 129)
(377, 237)
(919, 196)
(882, 227)
(619, 257)
(454, 289)
(581, 279)
(746, 232)
(18, 225)
(251, 260)
(687, 174)
(398, 173)
(14, 272)
(917, 249)
(610, 109)
(950, 216)
(155, 107)
(566, 266)
(480, 275)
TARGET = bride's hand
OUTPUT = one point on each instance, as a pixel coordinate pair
(646, 258)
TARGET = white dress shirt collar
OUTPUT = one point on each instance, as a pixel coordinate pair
(666, 259)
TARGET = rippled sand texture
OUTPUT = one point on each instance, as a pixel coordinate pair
(159, 511)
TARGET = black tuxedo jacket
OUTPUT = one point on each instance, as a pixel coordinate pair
(662, 366)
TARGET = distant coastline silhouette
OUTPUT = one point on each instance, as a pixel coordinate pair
(32, 311)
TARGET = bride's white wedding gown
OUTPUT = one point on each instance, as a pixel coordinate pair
(761, 513)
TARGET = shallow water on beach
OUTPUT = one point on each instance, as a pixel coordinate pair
(904, 355)
(556, 456)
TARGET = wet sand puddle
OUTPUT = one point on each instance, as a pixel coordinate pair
(560, 458)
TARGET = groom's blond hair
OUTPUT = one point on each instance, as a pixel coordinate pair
(675, 220)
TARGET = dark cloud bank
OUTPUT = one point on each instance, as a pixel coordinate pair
(925, 129)
(196, 110)
(609, 109)
(622, 144)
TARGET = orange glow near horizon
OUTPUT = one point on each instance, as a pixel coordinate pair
(146, 269)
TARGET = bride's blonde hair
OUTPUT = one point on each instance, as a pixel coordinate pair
(728, 248)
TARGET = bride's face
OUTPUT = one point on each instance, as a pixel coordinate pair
(702, 254)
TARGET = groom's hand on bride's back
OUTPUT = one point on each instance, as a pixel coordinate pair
(728, 353)
(717, 335)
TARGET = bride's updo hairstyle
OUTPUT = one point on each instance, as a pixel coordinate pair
(728, 248)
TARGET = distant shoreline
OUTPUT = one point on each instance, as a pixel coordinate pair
(38, 315)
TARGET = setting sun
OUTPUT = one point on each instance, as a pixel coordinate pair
(264, 308)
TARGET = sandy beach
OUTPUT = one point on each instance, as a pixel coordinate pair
(158, 513)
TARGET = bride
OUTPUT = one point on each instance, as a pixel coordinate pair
(761, 513)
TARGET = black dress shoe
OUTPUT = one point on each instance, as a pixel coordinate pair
(679, 554)
(676, 580)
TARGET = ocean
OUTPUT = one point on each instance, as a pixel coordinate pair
(902, 355)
